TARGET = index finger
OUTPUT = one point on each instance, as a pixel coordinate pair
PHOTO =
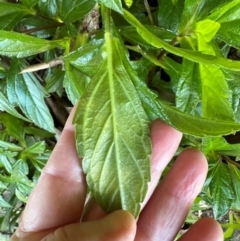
(59, 196)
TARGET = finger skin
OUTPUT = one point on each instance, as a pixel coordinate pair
(117, 226)
(165, 141)
(169, 205)
(205, 229)
(59, 195)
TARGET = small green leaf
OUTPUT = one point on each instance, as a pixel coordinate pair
(14, 127)
(228, 16)
(10, 146)
(37, 148)
(195, 125)
(112, 135)
(130, 34)
(5, 105)
(188, 94)
(55, 81)
(116, 5)
(3, 203)
(215, 94)
(195, 11)
(230, 33)
(170, 14)
(19, 45)
(11, 14)
(48, 8)
(33, 23)
(220, 146)
(87, 58)
(192, 55)
(235, 174)
(128, 3)
(207, 28)
(5, 163)
(70, 11)
(23, 91)
(74, 83)
(228, 12)
(30, 3)
(221, 189)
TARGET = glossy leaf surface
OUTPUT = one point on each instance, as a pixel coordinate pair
(19, 45)
(11, 14)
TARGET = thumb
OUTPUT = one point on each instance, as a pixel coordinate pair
(117, 226)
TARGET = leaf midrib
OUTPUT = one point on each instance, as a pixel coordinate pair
(112, 104)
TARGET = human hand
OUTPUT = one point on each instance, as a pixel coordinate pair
(57, 202)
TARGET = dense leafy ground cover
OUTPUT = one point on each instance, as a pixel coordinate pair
(129, 62)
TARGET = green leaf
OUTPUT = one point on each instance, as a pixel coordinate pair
(33, 23)
(215, 89)
(196, 126)
(10, 146)
(19, 45)
(87, 58)
(207, 28)
(235, 174)
(116, 5)
(184, 122)
(70, 11)
(228, 12)
(192, 55)
(130, 34)
(220, 146)
(230, 33)
(74, 83)
(37, 148)
(112, 135)
(55, 82)
(5, 163)
(30, 3)
(11, 14)
(23, 91)
(215, 94)
(228, 16)
(170, 14)
(128, 3)
(5, 105)
(48, 8)
(221, 189)
(188, 94)
(3, 203)
(195, 11)
(14, 127)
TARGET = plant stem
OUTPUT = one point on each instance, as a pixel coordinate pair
(227, 159)
(154, 69)
(106, 13)
(148, 11)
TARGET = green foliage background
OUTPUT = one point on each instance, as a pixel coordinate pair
(129, 62)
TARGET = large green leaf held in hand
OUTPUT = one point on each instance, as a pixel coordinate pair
(112, 135)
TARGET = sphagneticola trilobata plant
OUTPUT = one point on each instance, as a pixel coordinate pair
(125, 64)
